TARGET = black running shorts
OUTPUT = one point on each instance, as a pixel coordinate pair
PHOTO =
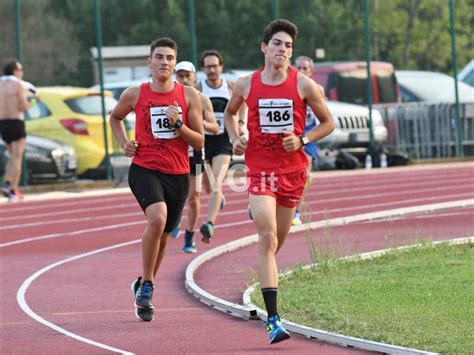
(12, 130)
(214, 150)
(196, 166)
(152, 186)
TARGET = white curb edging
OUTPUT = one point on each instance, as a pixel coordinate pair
(251, 312)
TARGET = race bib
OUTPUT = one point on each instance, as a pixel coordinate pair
(160, 124)
(220, 121)
(276, 115)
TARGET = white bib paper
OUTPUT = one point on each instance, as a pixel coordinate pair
(220, 121)
(160, 124)
(276, 115)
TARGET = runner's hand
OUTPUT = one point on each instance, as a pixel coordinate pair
(172, 113)
(239, 145)
(130, 148)
(291, 142)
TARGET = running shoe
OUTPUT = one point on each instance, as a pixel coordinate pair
(143, 294)
(14, 196)
(6, 188)
(189, 245)
(222, 202)
(175, 232)
(207, 230)
(296, 219)
(276, 331)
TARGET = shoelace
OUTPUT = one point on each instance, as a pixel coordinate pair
(146, 290)
(272, 323)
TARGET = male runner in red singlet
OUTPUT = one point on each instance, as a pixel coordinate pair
(168, 120)
(276, 96)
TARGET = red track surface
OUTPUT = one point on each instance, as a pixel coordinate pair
(90, 296)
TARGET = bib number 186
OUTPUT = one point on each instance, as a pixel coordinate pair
(276, 115)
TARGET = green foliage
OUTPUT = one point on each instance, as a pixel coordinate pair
(412, 34)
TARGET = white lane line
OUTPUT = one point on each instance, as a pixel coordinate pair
(71, 220)
(71, 202)
(20, 297)
(71, 211)
(70, 234)
(314, 192)
(324, 213)
(321, 179)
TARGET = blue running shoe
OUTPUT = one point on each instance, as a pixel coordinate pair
(175, 232)
(189, 245)
(222, 202)
(276, 331)
(6, 187)
(190, 249)
(143, 294)
(207, 230)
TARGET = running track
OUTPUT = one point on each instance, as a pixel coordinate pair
(44, 265)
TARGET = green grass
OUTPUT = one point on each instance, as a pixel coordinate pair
(421, 298)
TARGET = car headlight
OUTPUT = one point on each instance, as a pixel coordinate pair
(57, 153)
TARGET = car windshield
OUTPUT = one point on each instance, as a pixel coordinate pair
(91, 105)
(352, 86)
(436, 88)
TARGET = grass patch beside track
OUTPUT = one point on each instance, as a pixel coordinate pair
(421, 297)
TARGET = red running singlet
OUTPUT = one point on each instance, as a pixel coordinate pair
(159, 145)
(273, 110)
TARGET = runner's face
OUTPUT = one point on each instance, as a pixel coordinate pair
(212, 68)
(162, 62)
(304, 67)
(279, 49)
(185, 77)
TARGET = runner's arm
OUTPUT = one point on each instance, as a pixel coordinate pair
(210, 123)
(315, 99)
(124, 106)
(23, 98)
(193, 132)
(237, 98)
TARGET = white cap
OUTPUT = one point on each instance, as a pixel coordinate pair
(185, 65)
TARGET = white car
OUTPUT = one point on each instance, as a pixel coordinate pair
(352, 131)
(419, 86)
(467, 73)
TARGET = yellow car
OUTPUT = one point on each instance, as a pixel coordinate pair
(73, 115)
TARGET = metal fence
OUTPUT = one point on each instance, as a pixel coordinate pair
(428, 130)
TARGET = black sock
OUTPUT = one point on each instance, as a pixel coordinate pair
(212, 224)
(270, 299)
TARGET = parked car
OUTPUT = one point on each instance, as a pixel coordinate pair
(347, 81)
(119, 86)
(46, 160)
(352, 133)
(74, 115)
(430, 86)
(467, 73)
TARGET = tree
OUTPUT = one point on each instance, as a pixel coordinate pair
(47, 54)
